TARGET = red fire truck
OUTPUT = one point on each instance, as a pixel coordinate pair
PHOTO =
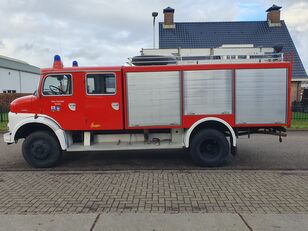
(200, 107)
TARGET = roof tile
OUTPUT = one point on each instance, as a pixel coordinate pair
(215, 34)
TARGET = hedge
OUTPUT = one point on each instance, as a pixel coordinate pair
(7, 98)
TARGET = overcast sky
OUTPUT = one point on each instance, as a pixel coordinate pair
(104, 32)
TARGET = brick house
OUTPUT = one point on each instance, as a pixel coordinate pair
(267, 33)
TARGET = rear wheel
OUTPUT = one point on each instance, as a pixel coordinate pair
(209, 148)
(41, 150)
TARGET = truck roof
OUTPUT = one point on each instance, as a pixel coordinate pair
(77, 69)
(162, 67)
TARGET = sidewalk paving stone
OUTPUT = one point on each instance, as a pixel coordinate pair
(178, 222)
(47, 222)
(155, 221)
(277, 222)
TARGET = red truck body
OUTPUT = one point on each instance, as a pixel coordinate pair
(116, 112)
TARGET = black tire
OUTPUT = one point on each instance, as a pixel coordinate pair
(209, 148)
(41, 150)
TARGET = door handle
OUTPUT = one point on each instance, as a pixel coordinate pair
(115, 106)
(72, 106)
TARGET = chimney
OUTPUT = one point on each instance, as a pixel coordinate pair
(169, 18)
(273, 16)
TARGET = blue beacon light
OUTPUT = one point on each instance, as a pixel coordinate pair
(75, 63)
(57, 63)
(57, 58)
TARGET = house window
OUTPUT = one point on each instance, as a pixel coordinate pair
(101, 84)
(242, 57)
(9, 91)
(57, 85)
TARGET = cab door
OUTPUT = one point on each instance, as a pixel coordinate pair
(103, 101)
(61, 100)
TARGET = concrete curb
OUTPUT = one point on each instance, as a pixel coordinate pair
(155, 221)
(56, 222)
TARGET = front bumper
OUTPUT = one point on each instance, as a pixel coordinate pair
(8, 138)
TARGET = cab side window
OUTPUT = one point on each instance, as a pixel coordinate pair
(101, 84)
(57, 85)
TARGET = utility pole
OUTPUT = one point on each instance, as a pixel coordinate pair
(154, 15)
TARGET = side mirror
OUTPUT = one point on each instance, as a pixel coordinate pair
(35, 93)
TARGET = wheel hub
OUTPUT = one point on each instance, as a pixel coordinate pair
(210, 147)
(40, 150)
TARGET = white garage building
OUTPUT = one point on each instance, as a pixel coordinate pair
(17, 76)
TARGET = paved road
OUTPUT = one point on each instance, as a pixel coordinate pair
(262, 152)
(161, 191)
(152, 182)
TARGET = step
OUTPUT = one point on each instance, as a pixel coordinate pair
(112, 146)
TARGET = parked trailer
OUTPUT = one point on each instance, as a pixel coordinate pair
(203, 108)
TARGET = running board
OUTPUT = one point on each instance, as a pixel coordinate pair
(123, 146)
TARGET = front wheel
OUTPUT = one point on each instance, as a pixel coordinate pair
(209, 148)
(41, 150)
